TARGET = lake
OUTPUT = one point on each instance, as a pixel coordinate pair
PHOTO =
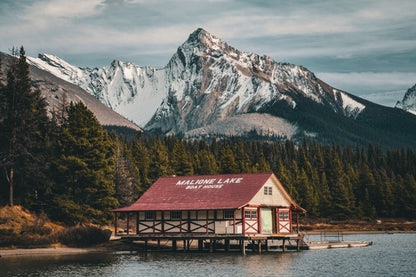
(390, 255)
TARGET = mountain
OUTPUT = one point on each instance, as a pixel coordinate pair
(210, 88)
(409, 101)
(53, 89)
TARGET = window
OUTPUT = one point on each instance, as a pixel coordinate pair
(250, 214)
(228, 214)
(175, 214)
(149, 215)
(267, 190)
(284, 215)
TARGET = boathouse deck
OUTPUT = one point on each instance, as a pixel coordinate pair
(221, 242)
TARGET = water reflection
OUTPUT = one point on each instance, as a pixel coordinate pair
(389, 255)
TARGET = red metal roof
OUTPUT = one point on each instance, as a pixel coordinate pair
(205, 192)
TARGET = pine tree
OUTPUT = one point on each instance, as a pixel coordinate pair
(23, 126)
(159, 161)
(85, 169)
(180, 160)
(241, 158)
(227, 161)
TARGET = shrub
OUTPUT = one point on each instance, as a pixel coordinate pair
(82, 236)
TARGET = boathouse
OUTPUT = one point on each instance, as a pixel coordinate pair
(231, 204)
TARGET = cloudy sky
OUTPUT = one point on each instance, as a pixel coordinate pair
(367, 48)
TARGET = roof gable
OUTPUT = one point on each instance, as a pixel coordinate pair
(204, 192)
(279, 197)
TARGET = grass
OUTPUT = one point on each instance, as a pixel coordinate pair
(21, 228)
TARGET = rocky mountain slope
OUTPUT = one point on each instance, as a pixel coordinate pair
(409, 101)
(210, 88)
(53, 89)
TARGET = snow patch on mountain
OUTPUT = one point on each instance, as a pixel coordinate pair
(408, 102)
(352, 108)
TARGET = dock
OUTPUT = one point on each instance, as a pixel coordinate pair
(217, 242)
(318, 245)
(236, 242)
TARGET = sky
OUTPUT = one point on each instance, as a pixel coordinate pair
(367, 48)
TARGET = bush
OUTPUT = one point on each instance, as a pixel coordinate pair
(83, 236)
(37, 228)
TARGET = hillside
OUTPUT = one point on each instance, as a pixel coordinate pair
(53, 89)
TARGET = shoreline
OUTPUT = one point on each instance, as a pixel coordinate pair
(4, 253)
(116, 245)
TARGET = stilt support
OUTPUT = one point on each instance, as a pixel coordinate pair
(227, 245)
(243, 246)
(174, 245)
(200, 245)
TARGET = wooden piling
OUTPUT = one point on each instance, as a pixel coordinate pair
(227, 245)
(200, 245)
(174, 245)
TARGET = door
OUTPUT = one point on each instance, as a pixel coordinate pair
(284, 221)
(266, 221)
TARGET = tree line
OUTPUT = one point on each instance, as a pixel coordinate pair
(67, 166)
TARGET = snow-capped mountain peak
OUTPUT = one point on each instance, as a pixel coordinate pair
(205, 82)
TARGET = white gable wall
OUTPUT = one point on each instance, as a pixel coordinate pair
(278, 197)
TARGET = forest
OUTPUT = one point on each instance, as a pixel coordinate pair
(69, 167)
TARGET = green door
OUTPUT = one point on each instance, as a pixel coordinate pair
(266, 221)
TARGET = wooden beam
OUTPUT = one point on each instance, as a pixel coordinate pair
(137, 223)
(207, 222)
(189, 221)
(234, 223)
(259, 220)
(244, 220)
(163, 222)
(115, 223)
(297, 222)
(128, 223)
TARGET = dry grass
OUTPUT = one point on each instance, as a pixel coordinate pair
(18, 219)
(21, 228)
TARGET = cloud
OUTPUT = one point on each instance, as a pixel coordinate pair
(46, 14)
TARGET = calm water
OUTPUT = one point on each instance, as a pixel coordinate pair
(390, 255)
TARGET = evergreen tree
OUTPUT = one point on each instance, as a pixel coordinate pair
(208, 164)
(85, 170)
(159, 161)
(181, 162)
(23, 127)
(227, 161)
